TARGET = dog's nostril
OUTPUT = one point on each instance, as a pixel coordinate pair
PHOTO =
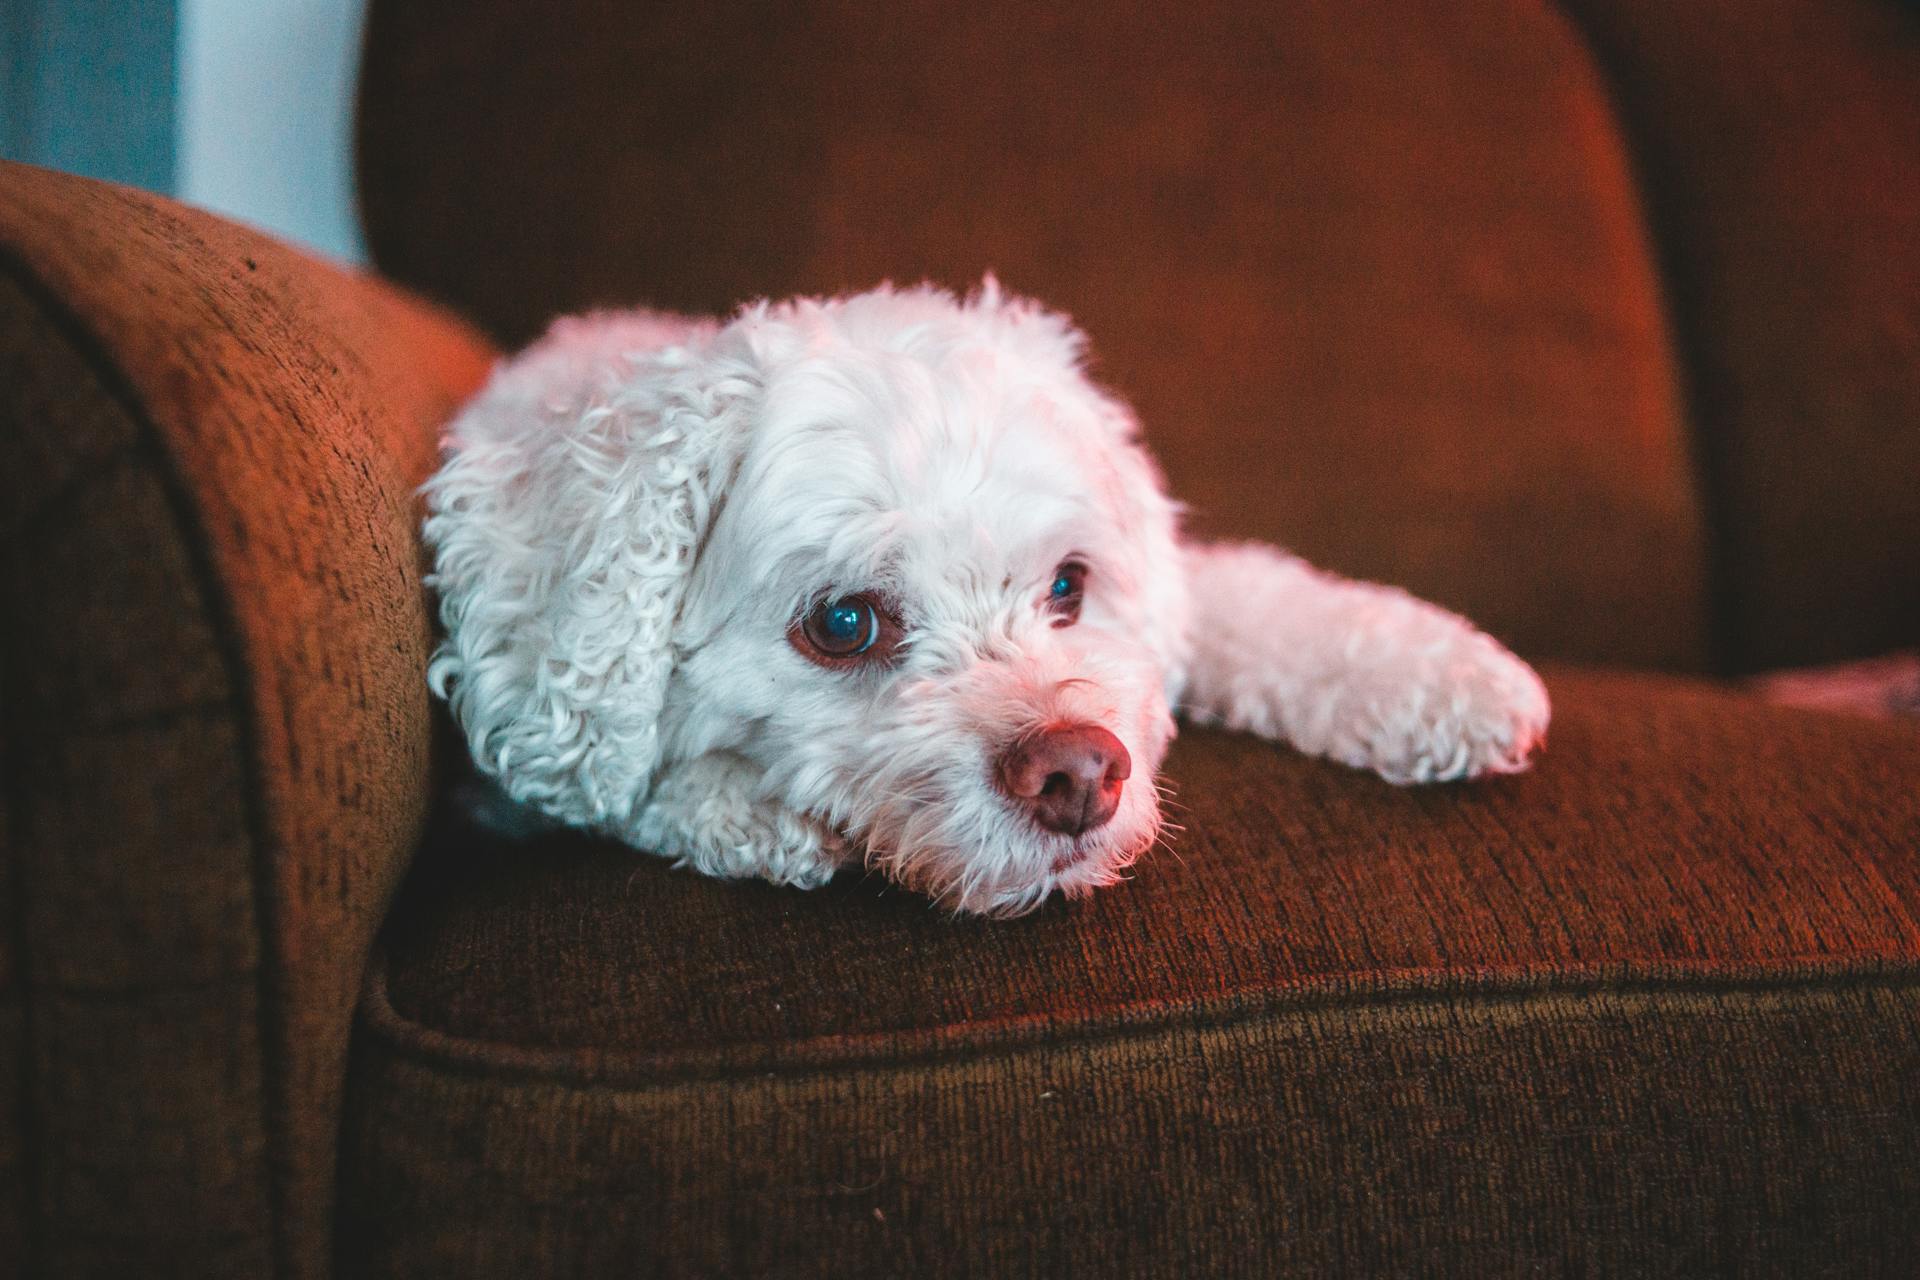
(1068, 777)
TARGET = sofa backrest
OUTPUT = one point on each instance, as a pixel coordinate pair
(1588, 321)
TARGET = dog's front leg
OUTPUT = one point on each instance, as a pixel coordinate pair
(1363, 674)
(708, 814)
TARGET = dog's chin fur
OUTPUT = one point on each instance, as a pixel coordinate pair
(921, 800)
(634, 515)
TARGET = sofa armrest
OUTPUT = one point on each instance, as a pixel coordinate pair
(213, 716)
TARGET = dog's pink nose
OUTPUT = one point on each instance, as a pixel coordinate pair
(1068, 776)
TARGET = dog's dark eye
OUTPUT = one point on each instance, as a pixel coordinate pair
(844, 628)
(847, 630)
(1063, 597)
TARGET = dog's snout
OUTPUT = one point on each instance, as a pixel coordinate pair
(1069, 777)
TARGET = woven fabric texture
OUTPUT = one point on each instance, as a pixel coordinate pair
(216, 730)
(1651, 1009)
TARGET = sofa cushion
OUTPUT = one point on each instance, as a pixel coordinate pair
(1654, 1006)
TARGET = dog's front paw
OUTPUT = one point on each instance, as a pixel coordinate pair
(767, 842)
(707, 815)
(801, 850)
(1470, 709)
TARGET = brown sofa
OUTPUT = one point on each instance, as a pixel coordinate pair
(1600, 322)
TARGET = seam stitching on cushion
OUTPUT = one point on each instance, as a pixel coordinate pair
(462, 1056)
(1687, 348)
(116, 384)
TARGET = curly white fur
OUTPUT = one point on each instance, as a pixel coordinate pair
(634, 513)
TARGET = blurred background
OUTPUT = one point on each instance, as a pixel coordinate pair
(1592, 319)
(244, 107)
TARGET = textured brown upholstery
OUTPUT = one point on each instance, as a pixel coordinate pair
(1651, 1009)
(1299, 237)
(211, 639)
(1597, 322)
(1781, 144)
(1515, 1131)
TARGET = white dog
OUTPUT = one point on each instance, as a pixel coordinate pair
(888, 577)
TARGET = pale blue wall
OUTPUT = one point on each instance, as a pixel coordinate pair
(265, 129)
(90, 87)
(240, 106)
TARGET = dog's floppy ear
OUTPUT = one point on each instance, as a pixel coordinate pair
(564, 524)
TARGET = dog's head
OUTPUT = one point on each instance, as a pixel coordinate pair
(895, 550)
